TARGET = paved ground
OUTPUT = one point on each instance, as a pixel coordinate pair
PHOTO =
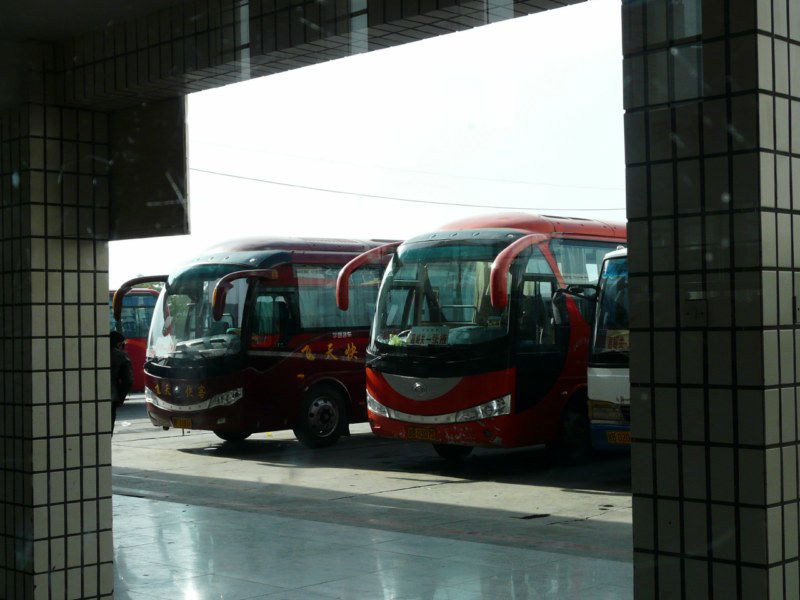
(369, 518)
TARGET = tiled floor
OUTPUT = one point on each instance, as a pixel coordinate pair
(173, 551)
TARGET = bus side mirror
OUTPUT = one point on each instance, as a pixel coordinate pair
(583, 291)
(126, 287)
(498, 277)
(343, 279)
(220, 292)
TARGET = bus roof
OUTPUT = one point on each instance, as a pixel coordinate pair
(616, 253)
(301, 244)
(261, 252)
(546, 224)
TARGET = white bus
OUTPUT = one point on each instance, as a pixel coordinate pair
(609, 375)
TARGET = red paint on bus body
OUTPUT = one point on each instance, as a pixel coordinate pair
(274, 368)
(539, 421)
(269, 397)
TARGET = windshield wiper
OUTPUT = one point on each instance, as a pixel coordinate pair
(375, 360)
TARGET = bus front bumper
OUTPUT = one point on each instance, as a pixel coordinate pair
(223, 418)
(611, 436)
(494, 432)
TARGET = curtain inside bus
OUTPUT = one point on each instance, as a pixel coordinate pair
(578, 260)
(317, 299)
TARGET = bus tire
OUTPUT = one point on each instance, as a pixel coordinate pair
(452, 452)
(322, 417)
(574, 441)
(233, 436)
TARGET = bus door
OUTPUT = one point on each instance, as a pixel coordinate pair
(272, 324)
(542, 332)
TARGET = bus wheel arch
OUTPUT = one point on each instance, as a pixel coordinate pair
(573, 440)
(341, 388)
(322, 414)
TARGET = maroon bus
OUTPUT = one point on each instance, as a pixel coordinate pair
(134, 324)
(247, 338)
(473, 344)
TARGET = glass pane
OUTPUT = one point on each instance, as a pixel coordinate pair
(317, 286)
(611, 327)
(536, 322)
(272, 323)
(137, 311)
(438, 295)
(580, 261)
(182, 321)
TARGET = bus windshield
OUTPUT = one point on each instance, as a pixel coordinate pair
(182, 323)
(611, 337)
(137, 311)
(437, 294)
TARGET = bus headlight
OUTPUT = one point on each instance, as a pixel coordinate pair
(226, 398)
(376, 407)
(493, 408)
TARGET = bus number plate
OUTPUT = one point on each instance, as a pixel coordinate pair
(422, 434)
(182, 423)
(618, 437)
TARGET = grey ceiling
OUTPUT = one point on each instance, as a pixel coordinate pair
(51, 20)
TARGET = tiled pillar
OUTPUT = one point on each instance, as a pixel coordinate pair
(712, 95)
(55, 424)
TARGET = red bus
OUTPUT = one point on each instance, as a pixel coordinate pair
(248, 339)
(134, 324)
(472, 345)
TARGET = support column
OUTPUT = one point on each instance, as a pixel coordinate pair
(712, 98)
(55, 423)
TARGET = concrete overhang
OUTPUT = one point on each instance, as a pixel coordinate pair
(57, 20)
(135, 60)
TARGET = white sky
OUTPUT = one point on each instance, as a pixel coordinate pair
(525, 113)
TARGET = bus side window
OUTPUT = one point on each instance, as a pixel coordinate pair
(272, 322)
(578, 260)
(317, 300)
(537, 327)
(364, 293)
(536, 323)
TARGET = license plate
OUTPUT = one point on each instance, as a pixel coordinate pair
(422, 434)
(182, 423)
(618, 437)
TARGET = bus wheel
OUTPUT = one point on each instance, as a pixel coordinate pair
(233, 436)
(574, 442)
(321, 419)
(452, 452)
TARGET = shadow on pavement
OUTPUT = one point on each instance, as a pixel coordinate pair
(608, 473)
(587, 537)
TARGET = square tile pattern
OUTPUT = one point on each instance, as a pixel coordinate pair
(56, 425)
(712, 152)
(203, 44)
